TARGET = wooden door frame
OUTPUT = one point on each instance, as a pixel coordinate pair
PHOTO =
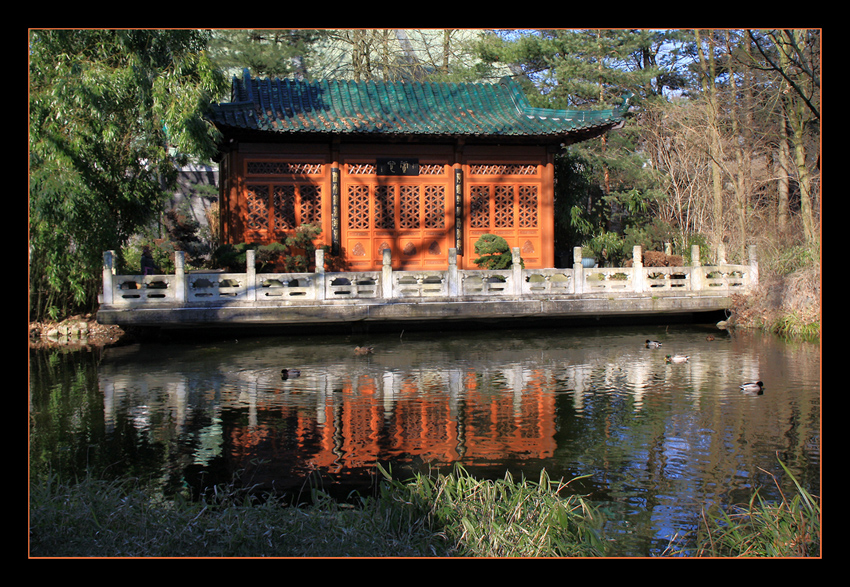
(540, 239)
(369, 240)
(234, 187)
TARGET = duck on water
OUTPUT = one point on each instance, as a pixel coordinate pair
(753, 388)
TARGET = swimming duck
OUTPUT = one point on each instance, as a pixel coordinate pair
(289, 373)
(652, 344)
(363, 350)
(677, 358)
(709, 338)
(756, 388)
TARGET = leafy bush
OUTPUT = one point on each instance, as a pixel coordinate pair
(791, 259)
(652, 236)
(129, 260)
(296, 254)
(181, 235)
(607, 248)
(495, 252)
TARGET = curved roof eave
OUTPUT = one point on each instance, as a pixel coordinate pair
(413, 109)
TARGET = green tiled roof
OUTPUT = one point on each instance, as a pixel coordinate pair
(285, 106)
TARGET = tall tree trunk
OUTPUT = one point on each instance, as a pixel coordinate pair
(784, 178)
(447, 46)
(709, 90)
(796, 111)
(804, 179)
(741, 110)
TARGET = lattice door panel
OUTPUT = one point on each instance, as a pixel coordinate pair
(284, 207)
(272, 210)
(409, 218)
(358, 225)
(510, 210)
(257, 204)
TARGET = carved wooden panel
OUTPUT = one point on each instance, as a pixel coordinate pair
(311, 204)
(503, 205)
(408, 206)
(434, 205)
(358, 207)
(257, 203)
(404, 214)
(479, 206)
(500, 169)
(504, 199)
(283, 207)
(290, 205)
(282, 168)
(527, 206)
(385, 206)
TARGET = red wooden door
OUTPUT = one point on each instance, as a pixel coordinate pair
(278, 195)
(505, 200)
(411, 216)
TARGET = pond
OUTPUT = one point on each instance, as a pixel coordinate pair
(658, 441)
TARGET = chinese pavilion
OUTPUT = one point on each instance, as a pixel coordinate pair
(416, 167)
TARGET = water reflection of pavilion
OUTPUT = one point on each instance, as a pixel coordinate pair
(346, 416)
(440, 417)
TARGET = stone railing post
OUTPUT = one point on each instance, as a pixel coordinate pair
(516, 271)
(721, 254)
(387, 274)
(578, 271)
(638, 274)
(251, 275)
(754, 267)
(319, 284)
(453, 277)
(179, 276)
(108, 277)
(697, 271)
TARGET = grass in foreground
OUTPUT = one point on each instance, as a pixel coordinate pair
(790, 528)
(501, 518)
(433, 516)
(449, 515)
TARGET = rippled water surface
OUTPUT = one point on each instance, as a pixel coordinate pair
(658, 441)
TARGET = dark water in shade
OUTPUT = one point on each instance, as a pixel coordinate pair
(658, 441)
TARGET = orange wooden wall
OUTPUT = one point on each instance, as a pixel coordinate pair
(268, 190)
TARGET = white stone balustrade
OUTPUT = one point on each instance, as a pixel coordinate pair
(216, 288)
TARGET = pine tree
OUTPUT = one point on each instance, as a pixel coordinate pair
(592, 69)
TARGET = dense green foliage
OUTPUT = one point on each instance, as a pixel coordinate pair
(494, 251)
(602, 185)
(294, 254)
(111, 114)
(266, 52)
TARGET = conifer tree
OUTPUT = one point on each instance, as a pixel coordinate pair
(587, 70)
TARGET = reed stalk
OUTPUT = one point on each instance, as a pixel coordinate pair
(503, 517)
(789, 528)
